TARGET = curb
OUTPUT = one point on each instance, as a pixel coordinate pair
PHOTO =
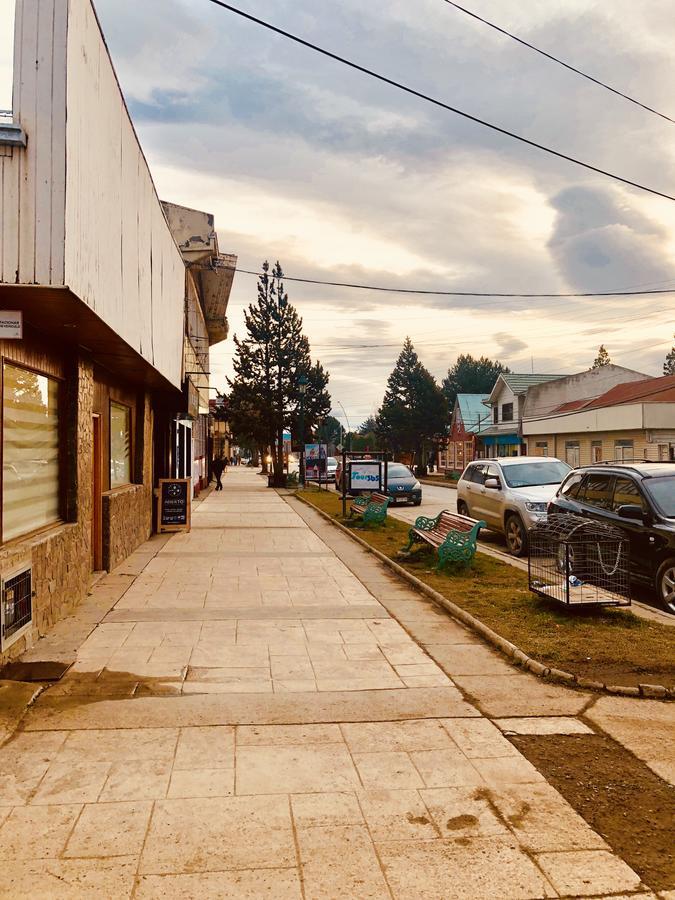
(439, 482)
(518, 657)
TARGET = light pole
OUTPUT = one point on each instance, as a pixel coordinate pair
(347, 421)
(302, 389)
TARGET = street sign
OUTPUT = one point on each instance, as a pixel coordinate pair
(11, 324)
(174, 504)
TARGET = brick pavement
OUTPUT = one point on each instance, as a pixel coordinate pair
(252, 720)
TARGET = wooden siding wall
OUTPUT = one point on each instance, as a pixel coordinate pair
(642, 448)
(32, 181)
(120, 256)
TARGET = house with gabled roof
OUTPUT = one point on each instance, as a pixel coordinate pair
(505, 404)
(469, 415)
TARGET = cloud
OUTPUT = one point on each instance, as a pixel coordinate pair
(508, 344)
(601, 244)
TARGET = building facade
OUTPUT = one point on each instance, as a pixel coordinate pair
(635, 420)
(469, 415)
(208, 283)
(92, 387)
(503, 435)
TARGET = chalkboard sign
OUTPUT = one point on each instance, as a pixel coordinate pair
(174, 504)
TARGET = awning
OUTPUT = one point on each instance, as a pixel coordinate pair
(500, 440)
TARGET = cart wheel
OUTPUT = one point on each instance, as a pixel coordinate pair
(665, 585)
(516, 536)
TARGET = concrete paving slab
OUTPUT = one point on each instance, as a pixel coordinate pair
(543, 725)
(520, 694)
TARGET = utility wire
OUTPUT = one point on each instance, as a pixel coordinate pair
(408, 90)
(389, 290)
(560, 62)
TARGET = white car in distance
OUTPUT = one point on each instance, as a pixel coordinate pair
(510, 494)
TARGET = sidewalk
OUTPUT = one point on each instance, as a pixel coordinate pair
(251, 719)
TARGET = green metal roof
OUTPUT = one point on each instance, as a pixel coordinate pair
(520, 383)
(473, 410)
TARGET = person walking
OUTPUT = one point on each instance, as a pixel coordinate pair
(217, 468)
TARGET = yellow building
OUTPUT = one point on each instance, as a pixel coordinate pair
(635, 420)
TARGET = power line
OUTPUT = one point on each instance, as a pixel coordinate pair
(390, 290)
(560, 62)
(408, 90)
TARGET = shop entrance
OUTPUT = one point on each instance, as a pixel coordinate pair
(96, 506)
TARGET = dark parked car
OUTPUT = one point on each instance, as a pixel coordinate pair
(640, 499)
(402, 486)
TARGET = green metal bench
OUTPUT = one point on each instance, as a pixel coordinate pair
(373, 508)
(453, 536)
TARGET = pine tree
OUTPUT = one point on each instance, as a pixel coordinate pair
(602, 359)
(669, 364)
(471, 376)
(414, 411)
(268, 362)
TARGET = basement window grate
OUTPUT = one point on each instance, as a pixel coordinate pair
(17, 606)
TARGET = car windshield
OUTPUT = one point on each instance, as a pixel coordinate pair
(519, 475)
(396, 470)
(662, 491)
(332, 461)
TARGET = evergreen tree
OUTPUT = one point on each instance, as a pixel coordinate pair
(368, 426)
(602, 359)
(414, 411)
(669, 364)
(471, 376)
(268, 362)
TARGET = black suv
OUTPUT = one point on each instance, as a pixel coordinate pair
(640, 498)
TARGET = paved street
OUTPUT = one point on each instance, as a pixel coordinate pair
(251, 719)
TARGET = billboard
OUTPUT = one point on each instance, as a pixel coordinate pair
(315, 462)
(365, 475)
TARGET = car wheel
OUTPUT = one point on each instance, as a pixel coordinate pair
(516, 536)
(462, 508)
(665, 585)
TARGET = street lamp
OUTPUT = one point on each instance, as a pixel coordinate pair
(302, 390)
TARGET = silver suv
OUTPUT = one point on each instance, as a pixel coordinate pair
(510, 494)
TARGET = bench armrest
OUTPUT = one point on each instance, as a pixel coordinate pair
(424, 523)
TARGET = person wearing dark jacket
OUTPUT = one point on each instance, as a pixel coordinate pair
(217, 468)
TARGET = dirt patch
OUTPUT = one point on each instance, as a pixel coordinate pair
(617, 794)
(611, 646)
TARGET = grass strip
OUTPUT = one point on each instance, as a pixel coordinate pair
(612, 646)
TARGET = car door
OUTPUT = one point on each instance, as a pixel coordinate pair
(492, 500)
(473, 485)
(640, 532)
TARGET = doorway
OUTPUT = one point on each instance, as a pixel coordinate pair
(96, 506)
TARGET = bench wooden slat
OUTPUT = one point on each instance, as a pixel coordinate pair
(452, 535)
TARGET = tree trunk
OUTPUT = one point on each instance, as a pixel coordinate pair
(263, 458)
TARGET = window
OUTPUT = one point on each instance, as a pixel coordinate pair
(662, 490)
(572, 453)
(541, 448)
(570, 488)
(627, 493)
(507, 412)
(120, 445)
(30, 451)
(495, 414)
(596, 451)
(478, 474)
(597, 491)
(529, 474)
(623, 450)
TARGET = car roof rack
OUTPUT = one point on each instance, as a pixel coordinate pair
(631, 461)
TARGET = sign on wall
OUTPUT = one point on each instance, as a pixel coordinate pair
(11, 324)
(365, 475)
(174, 504)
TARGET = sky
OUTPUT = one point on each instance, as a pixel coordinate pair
(342, 178)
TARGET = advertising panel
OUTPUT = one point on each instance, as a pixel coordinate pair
(365, 475)
(315, 462)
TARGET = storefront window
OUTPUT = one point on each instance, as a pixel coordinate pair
(30, 451)
(120, 445)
